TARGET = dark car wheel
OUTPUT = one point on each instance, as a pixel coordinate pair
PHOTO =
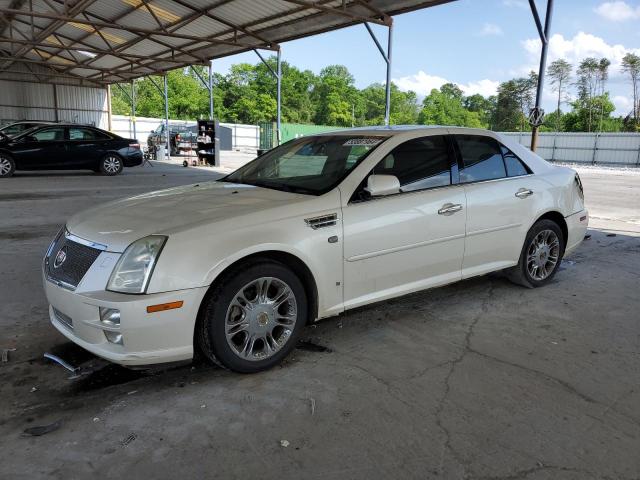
(7, 166)
(541, 255)
(111, 165)
(253, 317)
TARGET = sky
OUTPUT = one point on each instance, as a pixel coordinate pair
(476, 44)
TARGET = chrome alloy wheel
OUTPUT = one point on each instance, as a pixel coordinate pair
(543, 254)
(5, 166)
(111, 164)
(260, 318)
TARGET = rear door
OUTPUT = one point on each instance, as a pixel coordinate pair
(85, 147)
(500, 203)
(400, 243)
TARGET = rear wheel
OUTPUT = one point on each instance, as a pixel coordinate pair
(7, 166)
(111, 165)
(541, 255)
(253, 318)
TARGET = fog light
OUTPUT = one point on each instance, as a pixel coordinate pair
(114, 337)
(110, 316)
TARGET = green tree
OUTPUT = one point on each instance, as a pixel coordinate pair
(371, 106)
(334, 96)
(631, 66)
(445, 107)
(580, 119)
(484, 107)
(559, 74)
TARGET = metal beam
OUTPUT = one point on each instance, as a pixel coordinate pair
(343, 12)
(278, 76)
(211, 90)
(544, 38)
(166, 115)
(387, 58)
(279, 99)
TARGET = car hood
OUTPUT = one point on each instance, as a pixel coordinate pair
(119, 223)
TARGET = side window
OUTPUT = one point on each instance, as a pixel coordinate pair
(85, 134)
(515, 166)
(55, 133)
(481, 158)
(420, 163)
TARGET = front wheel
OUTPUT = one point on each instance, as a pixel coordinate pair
(111, 165)
(7, 166)
(253, 318)
(541, 255)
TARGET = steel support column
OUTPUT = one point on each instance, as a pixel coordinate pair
(537, 114)
(166, 115)
(278, 75)
(387, 58)
(278, 96)
(133, 107)
(211, 90)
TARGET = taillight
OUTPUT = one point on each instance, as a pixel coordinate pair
(177, 137)
(134, 145)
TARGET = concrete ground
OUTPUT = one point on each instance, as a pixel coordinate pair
(482, 379)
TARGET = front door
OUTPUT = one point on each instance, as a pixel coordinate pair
(411, 240)
(42, 149)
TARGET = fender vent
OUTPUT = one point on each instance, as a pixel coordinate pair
(323, 221)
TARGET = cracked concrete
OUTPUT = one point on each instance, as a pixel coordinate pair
(478, 380)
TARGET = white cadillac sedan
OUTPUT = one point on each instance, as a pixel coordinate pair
(236, 268)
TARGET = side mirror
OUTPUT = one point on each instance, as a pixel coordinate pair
(381, 185)
(30, 138)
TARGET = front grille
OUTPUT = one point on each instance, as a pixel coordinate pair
(68, 268)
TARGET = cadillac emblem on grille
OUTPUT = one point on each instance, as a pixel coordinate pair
(60, 258)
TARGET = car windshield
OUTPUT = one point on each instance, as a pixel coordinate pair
(14, 129)
(309, 165)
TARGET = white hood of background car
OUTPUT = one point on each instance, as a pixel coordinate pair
(119, 223)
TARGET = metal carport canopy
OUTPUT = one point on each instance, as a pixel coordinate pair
(89, 42)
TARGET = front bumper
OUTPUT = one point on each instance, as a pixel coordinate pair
(148, 338)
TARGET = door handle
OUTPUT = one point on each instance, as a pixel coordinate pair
(524, 193)
(449, 209)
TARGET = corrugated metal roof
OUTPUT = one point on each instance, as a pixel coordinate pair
(126, 39)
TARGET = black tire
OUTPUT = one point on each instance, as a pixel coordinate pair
(520, 274)
(7, 166)
(210, 332)
(111, 165)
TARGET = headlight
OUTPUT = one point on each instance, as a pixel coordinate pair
(133, 271)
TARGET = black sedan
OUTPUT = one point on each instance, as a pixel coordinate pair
(67, 147)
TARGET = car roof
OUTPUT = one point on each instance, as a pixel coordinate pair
(39, 122)
(391, 130)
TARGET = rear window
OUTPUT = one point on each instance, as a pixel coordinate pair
(481, 157)
(515, 166)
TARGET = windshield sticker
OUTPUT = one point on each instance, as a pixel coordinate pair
(362, 142)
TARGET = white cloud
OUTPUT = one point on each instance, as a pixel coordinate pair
(623, 104)
(618, 11)
(490, 29)
(485, 87)
(575, 49)
(422, 84)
